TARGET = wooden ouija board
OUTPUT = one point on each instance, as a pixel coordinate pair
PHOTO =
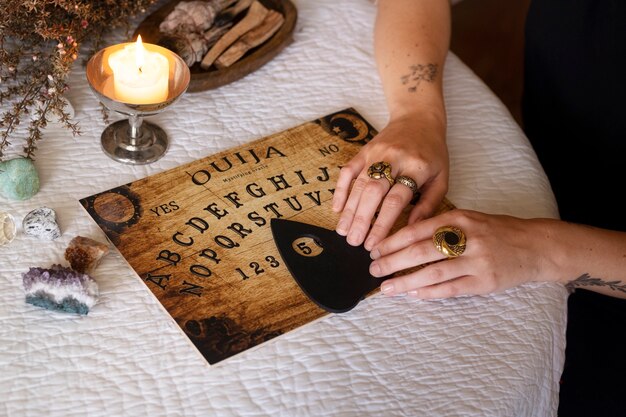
(199, 235)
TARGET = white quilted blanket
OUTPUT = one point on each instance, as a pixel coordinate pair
(500, 355)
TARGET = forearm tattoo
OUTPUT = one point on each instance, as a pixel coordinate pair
(418, 74)
(586, 281)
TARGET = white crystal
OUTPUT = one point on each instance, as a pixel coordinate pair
(7, 228)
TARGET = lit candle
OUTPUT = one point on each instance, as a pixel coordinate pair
(140, 76)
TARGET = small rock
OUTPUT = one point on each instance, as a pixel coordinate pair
(7, 228)
(60, 288)
(18, 179)
(84, 254)
(42, 223)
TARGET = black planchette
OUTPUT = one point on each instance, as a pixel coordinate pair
(332, 273)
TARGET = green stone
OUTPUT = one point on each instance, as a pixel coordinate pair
(18, 179)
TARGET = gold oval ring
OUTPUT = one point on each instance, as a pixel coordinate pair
(409, 182)
(380, 170)
(450, 241)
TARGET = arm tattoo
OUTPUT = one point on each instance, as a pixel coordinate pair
(586, 281)
(418, 74)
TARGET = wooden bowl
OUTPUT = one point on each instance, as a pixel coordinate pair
(202, 80)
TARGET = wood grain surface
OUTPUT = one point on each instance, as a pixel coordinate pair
(253, 18)
(255, 58)
(199, 235)
(253, 38)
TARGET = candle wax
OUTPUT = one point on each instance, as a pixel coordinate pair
(143, 81)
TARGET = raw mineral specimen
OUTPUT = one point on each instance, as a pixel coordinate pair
(18, 179)
(7, 228)
(42, 223)
(84, 254)
(60, 288)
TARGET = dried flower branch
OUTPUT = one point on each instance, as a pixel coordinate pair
(39, 42)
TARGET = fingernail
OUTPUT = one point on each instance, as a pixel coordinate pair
(341, 227)
(412, 293)
(375, 269)
(375, 254)
(369, 243)
(387, 289)
(354, 238)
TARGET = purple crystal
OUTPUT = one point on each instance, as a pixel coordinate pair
(60, 288)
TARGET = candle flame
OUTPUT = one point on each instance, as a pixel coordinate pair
(139, 53)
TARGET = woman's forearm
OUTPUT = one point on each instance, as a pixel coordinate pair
(587, 257)
(411, 42)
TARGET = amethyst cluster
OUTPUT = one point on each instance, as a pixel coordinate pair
(60, 288)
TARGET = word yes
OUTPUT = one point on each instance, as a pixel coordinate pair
(165, 208)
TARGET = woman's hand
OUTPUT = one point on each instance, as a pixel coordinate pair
(415, 146)
(501, 252)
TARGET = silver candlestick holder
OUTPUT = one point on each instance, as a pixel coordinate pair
(133, 140)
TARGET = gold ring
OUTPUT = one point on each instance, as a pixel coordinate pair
(450, 241)
(409, 182)
(380, 170)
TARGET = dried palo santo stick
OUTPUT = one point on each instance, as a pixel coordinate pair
(253, 38)
(256, 14)
(232, 12)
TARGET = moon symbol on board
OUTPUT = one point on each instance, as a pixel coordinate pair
(357, 123)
